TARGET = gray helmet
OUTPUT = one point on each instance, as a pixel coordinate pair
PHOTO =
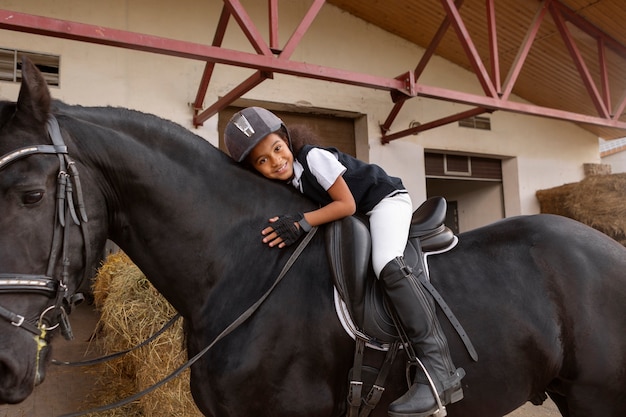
(247, 128)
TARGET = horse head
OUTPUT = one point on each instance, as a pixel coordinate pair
(38, 274)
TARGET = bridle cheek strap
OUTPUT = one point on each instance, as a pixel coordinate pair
(68, 186)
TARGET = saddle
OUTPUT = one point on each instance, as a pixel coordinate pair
(348, 246)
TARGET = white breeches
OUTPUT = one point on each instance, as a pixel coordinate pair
(389, 225)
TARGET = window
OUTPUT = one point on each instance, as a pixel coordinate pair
(11, 65)
(439, 165)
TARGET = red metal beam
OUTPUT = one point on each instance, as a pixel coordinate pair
(248, 27)
(431, 125)
(273, 19)
(251, 82)
(304, 25)
(266, 63)
(493, 45)
(522, 54)
(585, 75)
(261, 76)
(254, 35)
(64, 29)
(470, 49)
(399, 99)
(492, 104)
(620, 107)
(218, 38)
(489, 104)
(434, 43)
(584, 25)
(604, 75)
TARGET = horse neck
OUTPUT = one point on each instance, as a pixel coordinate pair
(172, 200)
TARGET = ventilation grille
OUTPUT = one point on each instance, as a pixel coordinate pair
(476, 122)
(11, 65)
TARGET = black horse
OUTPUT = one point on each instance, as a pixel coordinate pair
(543, 297)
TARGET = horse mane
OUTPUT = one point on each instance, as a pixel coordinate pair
(161, 132)
(157, 136)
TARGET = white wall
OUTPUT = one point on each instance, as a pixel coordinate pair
(546, 153)
(617, 162)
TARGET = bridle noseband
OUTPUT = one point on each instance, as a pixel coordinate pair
(68, 184)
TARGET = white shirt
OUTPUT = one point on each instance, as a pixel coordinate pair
(323, 165)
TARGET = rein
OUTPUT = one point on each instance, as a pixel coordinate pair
(68, 186)
(106, 358)
(231, 327)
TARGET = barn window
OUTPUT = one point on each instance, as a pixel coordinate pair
(439, 165)
(11, 65)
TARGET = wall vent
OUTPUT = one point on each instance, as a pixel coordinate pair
(476, 122)
(11, 65)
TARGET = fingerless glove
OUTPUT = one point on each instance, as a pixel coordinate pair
(286, 228)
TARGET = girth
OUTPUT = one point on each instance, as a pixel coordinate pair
(348, 245)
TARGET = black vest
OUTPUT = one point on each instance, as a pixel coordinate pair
(368, 183)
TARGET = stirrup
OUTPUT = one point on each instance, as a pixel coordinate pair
(441, 409)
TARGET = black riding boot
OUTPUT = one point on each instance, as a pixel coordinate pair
(416, 312)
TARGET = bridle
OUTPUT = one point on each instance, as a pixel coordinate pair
(56, 289)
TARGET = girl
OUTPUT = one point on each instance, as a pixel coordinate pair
(343, 185)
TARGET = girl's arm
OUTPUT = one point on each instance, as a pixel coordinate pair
(343, 205)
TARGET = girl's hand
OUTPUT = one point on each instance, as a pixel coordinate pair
(271, 237)
(284, 231)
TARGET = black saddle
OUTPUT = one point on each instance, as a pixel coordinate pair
(349, 244)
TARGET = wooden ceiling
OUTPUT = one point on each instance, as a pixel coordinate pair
(549, 76)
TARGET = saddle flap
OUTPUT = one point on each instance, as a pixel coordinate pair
(348, 246)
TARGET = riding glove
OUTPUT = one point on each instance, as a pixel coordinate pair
(286, 228)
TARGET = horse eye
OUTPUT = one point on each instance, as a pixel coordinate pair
(32, 197)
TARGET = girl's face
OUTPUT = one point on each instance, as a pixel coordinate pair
(273, 158)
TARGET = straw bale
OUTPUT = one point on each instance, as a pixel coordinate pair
(554, 200)
(132, 311)
(596, 169)
(598, 201)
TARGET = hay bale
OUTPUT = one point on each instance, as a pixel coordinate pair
(554, 200)
(132, 311)
(598, 201)
(596, 169)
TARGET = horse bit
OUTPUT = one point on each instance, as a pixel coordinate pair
(68, 184)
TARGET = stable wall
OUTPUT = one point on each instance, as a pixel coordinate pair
(617, 162)
(537, 153)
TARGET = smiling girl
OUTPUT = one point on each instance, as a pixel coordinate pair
(343, 185)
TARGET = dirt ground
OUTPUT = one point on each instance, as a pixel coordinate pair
(547, 409)
(65, 389)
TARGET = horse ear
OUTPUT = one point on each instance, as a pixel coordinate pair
(34, 97)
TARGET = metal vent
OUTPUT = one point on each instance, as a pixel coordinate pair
(476, 122)
(11, 65)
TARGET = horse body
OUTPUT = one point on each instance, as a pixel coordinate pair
(557, 309)
(542, 297)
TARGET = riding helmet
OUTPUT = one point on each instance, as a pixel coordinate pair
(247, 128)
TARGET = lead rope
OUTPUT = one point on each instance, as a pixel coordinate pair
(238, 322)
